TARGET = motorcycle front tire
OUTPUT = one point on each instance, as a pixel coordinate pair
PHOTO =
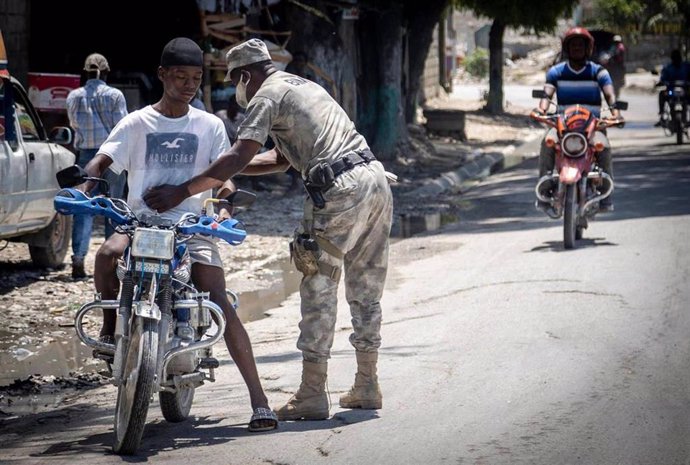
(176, 405)
(678, 128)
(136, 388)
(570, 216)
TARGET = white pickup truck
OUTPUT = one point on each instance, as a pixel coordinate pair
(29, 159)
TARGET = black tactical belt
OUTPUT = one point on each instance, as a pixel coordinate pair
(321, 176)
(351, 160)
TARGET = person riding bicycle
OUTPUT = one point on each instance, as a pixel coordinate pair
(677, 70)
(577, 80)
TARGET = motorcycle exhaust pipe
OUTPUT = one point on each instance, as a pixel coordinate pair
(608, 183)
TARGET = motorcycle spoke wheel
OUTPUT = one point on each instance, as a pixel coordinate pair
(570, 216)
(136, 387)
(176, 405)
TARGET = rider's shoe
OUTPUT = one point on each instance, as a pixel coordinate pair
(606, 205)
(545, 207)
(662, 123)
(102, 354)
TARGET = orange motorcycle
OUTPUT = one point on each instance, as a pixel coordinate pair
(578, 183)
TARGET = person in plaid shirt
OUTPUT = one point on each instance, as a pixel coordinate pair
(93, 110)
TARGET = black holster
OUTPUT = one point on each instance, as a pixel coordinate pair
(315, 195)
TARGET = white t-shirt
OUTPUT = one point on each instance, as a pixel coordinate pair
(304, 121)
(155, 150)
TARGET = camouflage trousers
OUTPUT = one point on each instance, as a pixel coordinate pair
(355, 222)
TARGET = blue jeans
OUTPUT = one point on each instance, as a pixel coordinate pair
(82, 225)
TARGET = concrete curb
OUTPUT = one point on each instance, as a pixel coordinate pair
(479, 167)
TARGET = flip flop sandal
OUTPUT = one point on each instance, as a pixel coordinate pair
(261, 413)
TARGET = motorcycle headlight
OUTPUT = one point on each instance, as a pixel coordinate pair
(574, 144)
(153, 243)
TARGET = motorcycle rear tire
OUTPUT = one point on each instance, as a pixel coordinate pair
(136, 388)
(176, 405)
(570, 216)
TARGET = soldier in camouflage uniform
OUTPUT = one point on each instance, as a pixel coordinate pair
(347, 216)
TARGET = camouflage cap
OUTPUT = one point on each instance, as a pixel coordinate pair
(246, 53)
(96, 62)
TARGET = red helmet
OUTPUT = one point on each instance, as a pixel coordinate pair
(582, 33)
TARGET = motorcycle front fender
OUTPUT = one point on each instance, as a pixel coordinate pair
(569, 174)
(146, 310)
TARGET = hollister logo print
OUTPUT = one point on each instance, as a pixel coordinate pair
(171, 149)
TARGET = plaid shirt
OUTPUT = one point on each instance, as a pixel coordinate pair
(93, 112)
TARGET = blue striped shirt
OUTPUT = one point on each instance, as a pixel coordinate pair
(93, 112)
(583, 86)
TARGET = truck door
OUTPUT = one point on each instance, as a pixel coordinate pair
(13, 164)
(33, 141)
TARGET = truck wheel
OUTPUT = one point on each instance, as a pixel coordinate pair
(57, 235)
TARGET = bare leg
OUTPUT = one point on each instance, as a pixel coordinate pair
(105, 276)
(210, 279)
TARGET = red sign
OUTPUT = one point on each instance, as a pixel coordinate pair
(49, 91)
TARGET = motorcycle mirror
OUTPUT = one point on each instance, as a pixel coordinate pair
(75, 175)
(71, 176)
(621, 105)
(538, 93)
(241, 198)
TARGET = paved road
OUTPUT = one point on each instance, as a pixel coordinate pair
(500, 347)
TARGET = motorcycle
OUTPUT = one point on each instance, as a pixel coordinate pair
(578, 183)
(675, 119)
(161, 342)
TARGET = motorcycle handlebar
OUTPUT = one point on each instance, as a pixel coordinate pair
(73, 201)
(549, 119)
(611, 122)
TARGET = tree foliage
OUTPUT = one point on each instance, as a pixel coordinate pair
(637, 15)
(539, 15)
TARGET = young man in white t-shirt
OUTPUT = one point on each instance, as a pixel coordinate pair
(167, 143)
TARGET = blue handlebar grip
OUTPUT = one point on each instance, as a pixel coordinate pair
(225, 230)
(75, 202)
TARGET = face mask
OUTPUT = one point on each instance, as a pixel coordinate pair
(241, 93)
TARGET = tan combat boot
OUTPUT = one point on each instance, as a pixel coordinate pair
(310, 402)
(365, 393)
